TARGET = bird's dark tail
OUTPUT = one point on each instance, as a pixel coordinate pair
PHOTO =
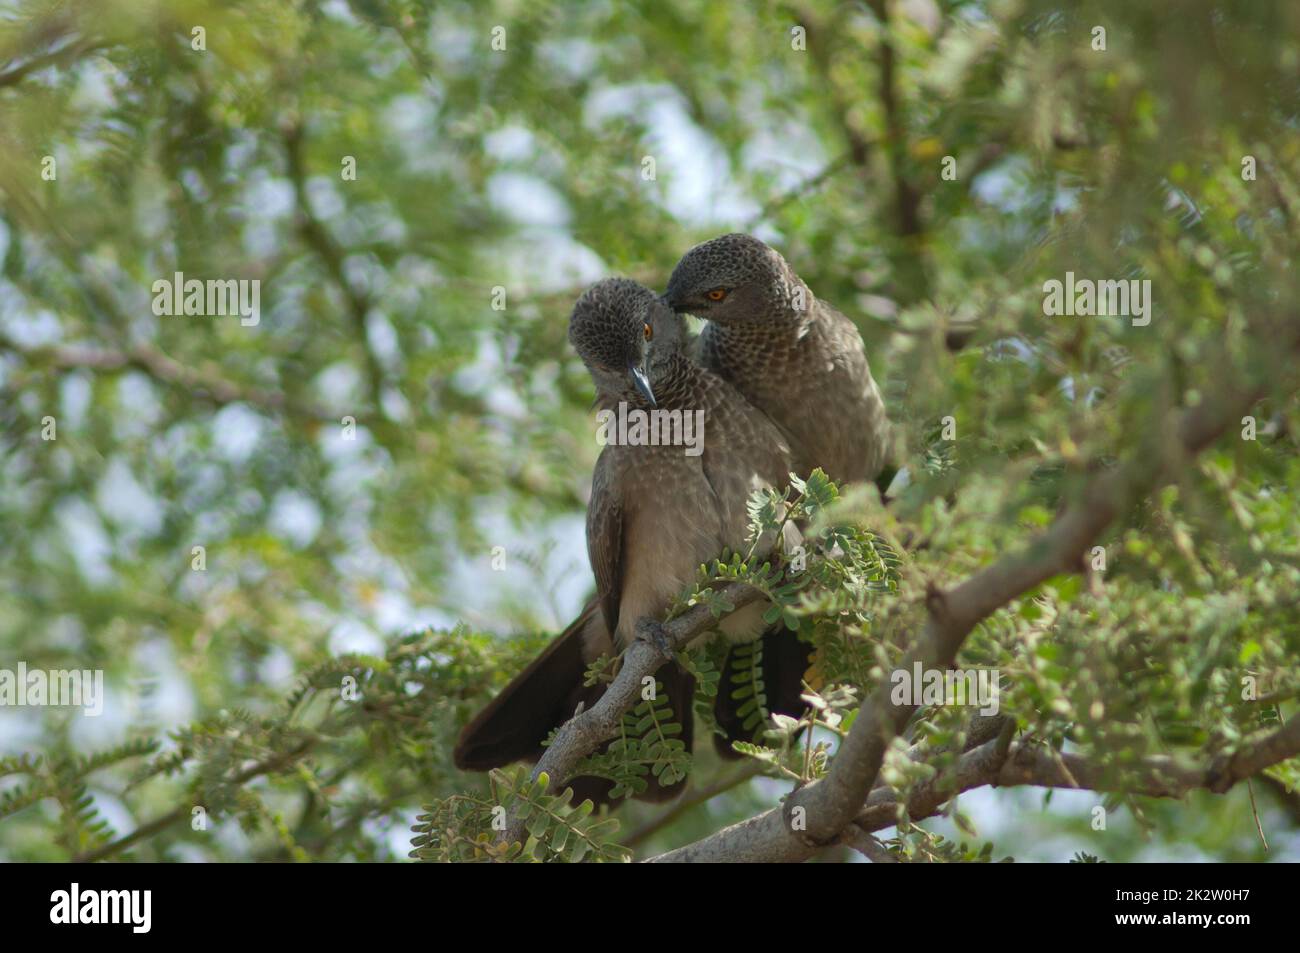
(784, 663)
(544, 695)
(540, 698)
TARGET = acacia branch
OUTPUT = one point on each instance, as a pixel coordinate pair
(271, 765)
(203, 382)
(587, 730)
(52, 32)
(1038, 765)
(815, 815)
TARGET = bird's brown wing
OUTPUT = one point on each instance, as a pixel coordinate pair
(605, 539)
(606, 519)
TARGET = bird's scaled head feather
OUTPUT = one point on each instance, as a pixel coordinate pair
(627, 336)
(736, 279)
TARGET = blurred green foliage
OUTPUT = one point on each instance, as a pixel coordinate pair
(520, 171)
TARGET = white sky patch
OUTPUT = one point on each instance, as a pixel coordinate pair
(126, 503)
(195, 185)
(393, 612)
(30, 328)
(338, 10)
(22, 729)
(412, 281)
(483, 376)
(770, 151)
(66, 632)
(1065, 200)
(160, 692)
(510, 144)
(458, 46)
(267, 202)
(395, 405)
(528, 200)
(363, 272)
(267, 197)
(338, 385)
(137, 391)
(545, 261)
(97, 80)
(235, 432)
(382, 338)
(1005, 186)
(352, 468)
(74, 399)
(278, 670)
(546, 568)
(412, 121)
(691, 166)
(574, 57)
(352, 635)
(324, 198)
(294, 517)
(241, 153)
(1014, 349)
(86, 539)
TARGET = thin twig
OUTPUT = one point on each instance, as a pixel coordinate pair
(690, 802)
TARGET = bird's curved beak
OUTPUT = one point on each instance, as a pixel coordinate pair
(642, 382)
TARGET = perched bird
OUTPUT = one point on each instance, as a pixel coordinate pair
(658, 510)
(800, 362)
(789, 353)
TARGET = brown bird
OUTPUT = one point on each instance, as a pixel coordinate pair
(658, 511)
(800, 362)
(789, 353)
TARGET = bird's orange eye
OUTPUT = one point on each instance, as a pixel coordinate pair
(649, 332)
(717, 294)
